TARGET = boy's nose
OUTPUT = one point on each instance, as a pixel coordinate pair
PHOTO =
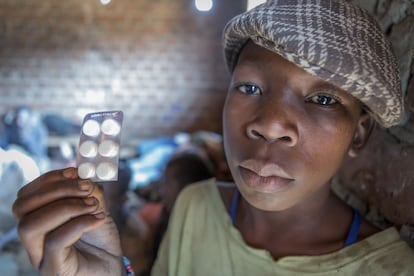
(273, 125)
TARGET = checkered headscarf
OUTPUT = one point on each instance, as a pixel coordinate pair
(331, 39)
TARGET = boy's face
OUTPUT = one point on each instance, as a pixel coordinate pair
(286, 132)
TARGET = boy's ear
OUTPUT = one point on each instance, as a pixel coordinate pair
(364, 128)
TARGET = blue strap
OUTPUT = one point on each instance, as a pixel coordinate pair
(354, 231)
(233, 206)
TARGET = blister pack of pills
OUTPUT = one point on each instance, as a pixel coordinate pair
(99, 144)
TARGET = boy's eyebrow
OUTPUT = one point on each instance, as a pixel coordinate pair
(252, 62)
(248, 62)
(321, 84)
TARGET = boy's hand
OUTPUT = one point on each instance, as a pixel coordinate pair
(64, 226)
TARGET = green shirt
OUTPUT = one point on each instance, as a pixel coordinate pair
(201, 240)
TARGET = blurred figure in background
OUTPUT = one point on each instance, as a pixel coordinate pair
(24, 130)
(187, 166)
(24, 127)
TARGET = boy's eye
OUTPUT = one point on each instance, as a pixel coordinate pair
(249, 89)
(324, 100)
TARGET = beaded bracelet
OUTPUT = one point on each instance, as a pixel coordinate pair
(128, 268)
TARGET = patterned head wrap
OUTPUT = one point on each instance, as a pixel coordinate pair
(331, 39)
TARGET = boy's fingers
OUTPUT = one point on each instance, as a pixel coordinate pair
(49, 177)
(48, 193)
(36, 225)
(98, 193)
(58, 243)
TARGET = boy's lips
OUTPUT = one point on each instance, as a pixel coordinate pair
(264, 177)
(265, 169)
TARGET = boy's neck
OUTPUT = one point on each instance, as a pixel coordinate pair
(307, 229)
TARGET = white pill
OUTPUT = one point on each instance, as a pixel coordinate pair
(91, 128)
(88, 149)
(108, 148)
(106, 171)
(110, 127)
(86, 170)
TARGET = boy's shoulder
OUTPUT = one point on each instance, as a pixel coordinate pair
(209, 191)
(196, 192)
(197, 188)
(210, 185)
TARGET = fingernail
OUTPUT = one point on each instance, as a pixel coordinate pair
(69, 173)
(100, 215)
(90, 201)
(84, 185)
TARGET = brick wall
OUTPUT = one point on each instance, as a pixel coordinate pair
(157, 60)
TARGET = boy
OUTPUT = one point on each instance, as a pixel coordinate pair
(308, 80)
